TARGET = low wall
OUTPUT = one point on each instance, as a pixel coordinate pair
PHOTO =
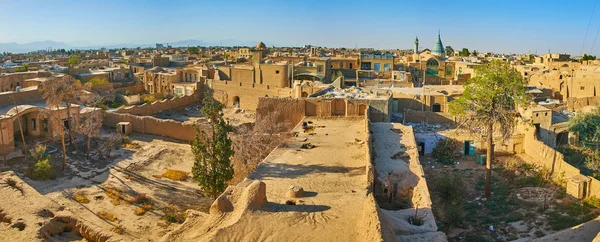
(23, 97)
(577, 103)
(161, 106)
(414, 116)
(548, 157)
(286, 110)
(135, 89)
(150, 125)
(292, 110)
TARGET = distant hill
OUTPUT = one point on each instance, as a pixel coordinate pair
(42, 45)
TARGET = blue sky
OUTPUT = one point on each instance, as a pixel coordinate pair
(501, 26)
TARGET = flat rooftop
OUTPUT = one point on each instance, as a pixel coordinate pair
(333, 174)
(429, 90)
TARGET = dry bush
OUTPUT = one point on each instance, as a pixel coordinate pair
(175, 175)
(107, 216)
(118, 230)
(81, 198)
(252, 145)
(12, 183)
(45, 213)
(114, 194)
(143, 209)
(141, 199)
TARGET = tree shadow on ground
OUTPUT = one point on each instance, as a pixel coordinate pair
(278, 170)
(277, 207)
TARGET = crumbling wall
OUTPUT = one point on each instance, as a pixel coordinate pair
(578, 103)
(22, 97)
(287, 110)
(136, 89)
(162, 105)
(548, 157)
(150, 125)
(428, 117)
(247, 94)
(8, 82)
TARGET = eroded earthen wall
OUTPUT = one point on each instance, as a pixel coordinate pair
(150, 125)
(162, 105)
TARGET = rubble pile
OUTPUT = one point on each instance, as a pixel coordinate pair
(351, 92)
(424, 127)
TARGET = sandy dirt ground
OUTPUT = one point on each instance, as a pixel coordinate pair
(22, 207)
(133, 171)
(335, 206)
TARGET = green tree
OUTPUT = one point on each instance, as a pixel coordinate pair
(587, 127)
(194, 50)
(464, 52)
(24, 68)
(475, 53)
(96, 81)
(449, 50)
(212, 151)
(73, 60)
(489, 104)
(586, 57)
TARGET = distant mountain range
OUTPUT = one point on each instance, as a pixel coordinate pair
(42, 45)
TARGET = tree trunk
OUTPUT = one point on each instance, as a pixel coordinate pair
(20, 128)
(488, 161)
(70, 124)
(89, 145)
(22, 136)
(62, 141)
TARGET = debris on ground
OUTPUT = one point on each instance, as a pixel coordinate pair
(295, 191)
(307, 146)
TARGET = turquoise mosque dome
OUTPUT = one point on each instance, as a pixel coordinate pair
(438, 48)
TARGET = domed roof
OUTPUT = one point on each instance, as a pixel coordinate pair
(438, 48)
(261, 45)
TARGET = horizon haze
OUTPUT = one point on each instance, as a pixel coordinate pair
(502, 27)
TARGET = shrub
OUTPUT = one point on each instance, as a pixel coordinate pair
(445, 151)
(450, 187)
(143, 209)
(140, 199)
(80, 197)
(107, 216)
(592, 202)
(38, 153)
(148, 99)
(114, 194)
(43, 170)
(118, 230)
(140, 211)
(97, 81)
(175, 175)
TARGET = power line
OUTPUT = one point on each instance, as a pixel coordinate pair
(594, 43)
(588, 27)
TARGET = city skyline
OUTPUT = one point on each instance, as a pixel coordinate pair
(502, 27)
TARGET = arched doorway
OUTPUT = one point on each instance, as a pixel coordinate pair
(304, 94)
(236, 101)
(433, 67)
(449, 70)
